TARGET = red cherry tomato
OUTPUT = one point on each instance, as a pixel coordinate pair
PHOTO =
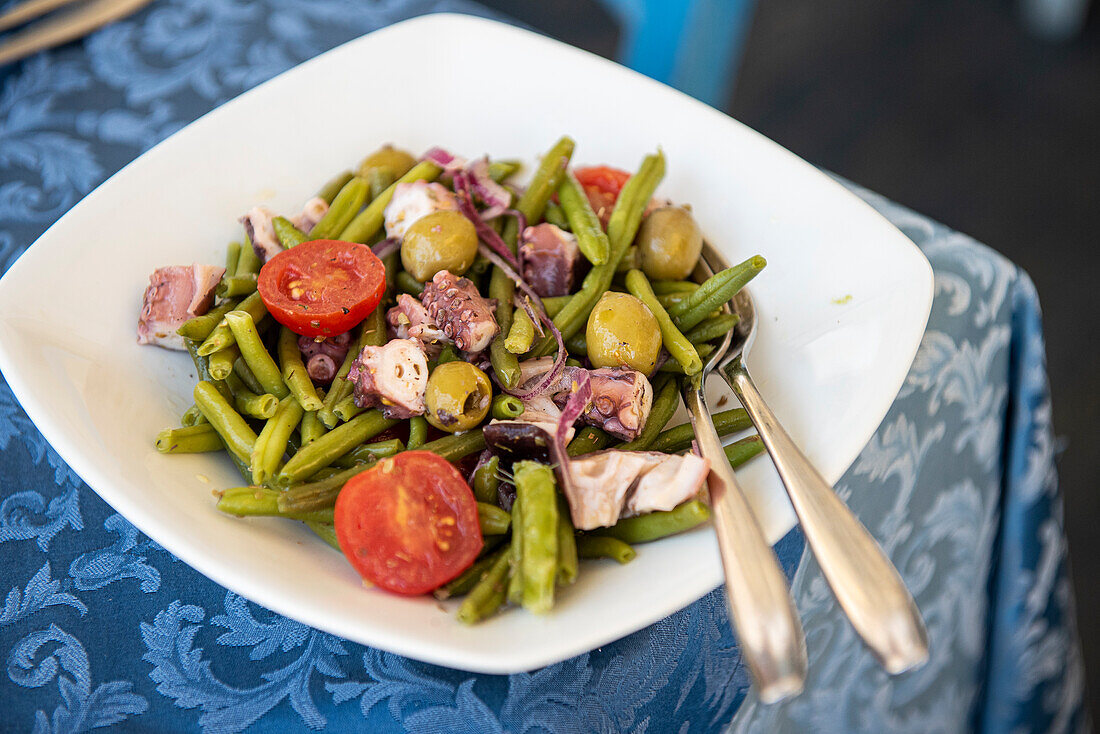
(602, 184)
(323, 287)
(409, 524)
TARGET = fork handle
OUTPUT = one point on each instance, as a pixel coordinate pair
(760, 603)
(866, 584)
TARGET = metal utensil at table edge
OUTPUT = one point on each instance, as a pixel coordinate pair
(760, 602)
(865, 583)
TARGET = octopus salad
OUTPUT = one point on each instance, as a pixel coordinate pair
(462, 383)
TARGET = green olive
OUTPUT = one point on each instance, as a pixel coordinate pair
(669, 244)
(458, 396)
(622, 331)
(398, 162)
(443, 240)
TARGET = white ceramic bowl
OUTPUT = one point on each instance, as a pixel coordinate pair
(842, 308)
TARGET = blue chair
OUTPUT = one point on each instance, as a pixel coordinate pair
(693, 45)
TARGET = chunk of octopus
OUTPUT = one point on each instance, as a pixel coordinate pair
(393, 377)
(462, 313)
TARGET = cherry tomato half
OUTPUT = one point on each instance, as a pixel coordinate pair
(602, 184)
(323, 287)
(409, 524)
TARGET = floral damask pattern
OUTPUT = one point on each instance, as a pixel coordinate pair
(99, 626)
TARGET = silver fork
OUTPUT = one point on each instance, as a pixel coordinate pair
(865, 583)
(760, 602)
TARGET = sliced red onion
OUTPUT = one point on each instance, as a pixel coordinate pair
(484, 187)
(385, 247)
(447, 161)
(579, 398)
(525, 304)
(481, 461)
(574, 408)
(484, 232)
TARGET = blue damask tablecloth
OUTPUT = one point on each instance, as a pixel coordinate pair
(100, 626)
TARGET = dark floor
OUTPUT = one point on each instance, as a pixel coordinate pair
(952, 109)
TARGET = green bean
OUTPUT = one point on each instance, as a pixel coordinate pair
(644, 528)
(232, 255)
(448, 354)
(591, 239)
(577, 344)
(202, 371)
(255, 354)
(487, 594)
(263, 502)
(192, 417)
(200, 327)
(676, 343)
(408, 284)
(623, 225)
(240, 369)
(458, 445)
(674, 287)
(715, 292)
(237, 285)
(261, 406)
(332, 446)
(666, 401)
(515, 578)
(238, 436)
(629, 262)
(198, 439)
(492, 543)
(555, 216)
(342, 210)
(522, 334)
(270, 446)
(493, 520)
(326, 532)
(369, 221)
(418, 432)
(486, 480)
(380, 179)
(554, 304)
(468, 578)
(501, 170)
(249, 261)
(318, 494)
(294, 371)
(346, 409)
(711, 328)
(567, 545)
(531, 204)
(333, 186)
(679, 438)
(595, 546)
(536, 491)
(221, 336)
(369, 453)
(703, 350)
(738, 452)
(507, 407)
(220, 363)
(587, 440)
(312, 428)
(288, 235)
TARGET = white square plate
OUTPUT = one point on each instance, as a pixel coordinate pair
(843, 305)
